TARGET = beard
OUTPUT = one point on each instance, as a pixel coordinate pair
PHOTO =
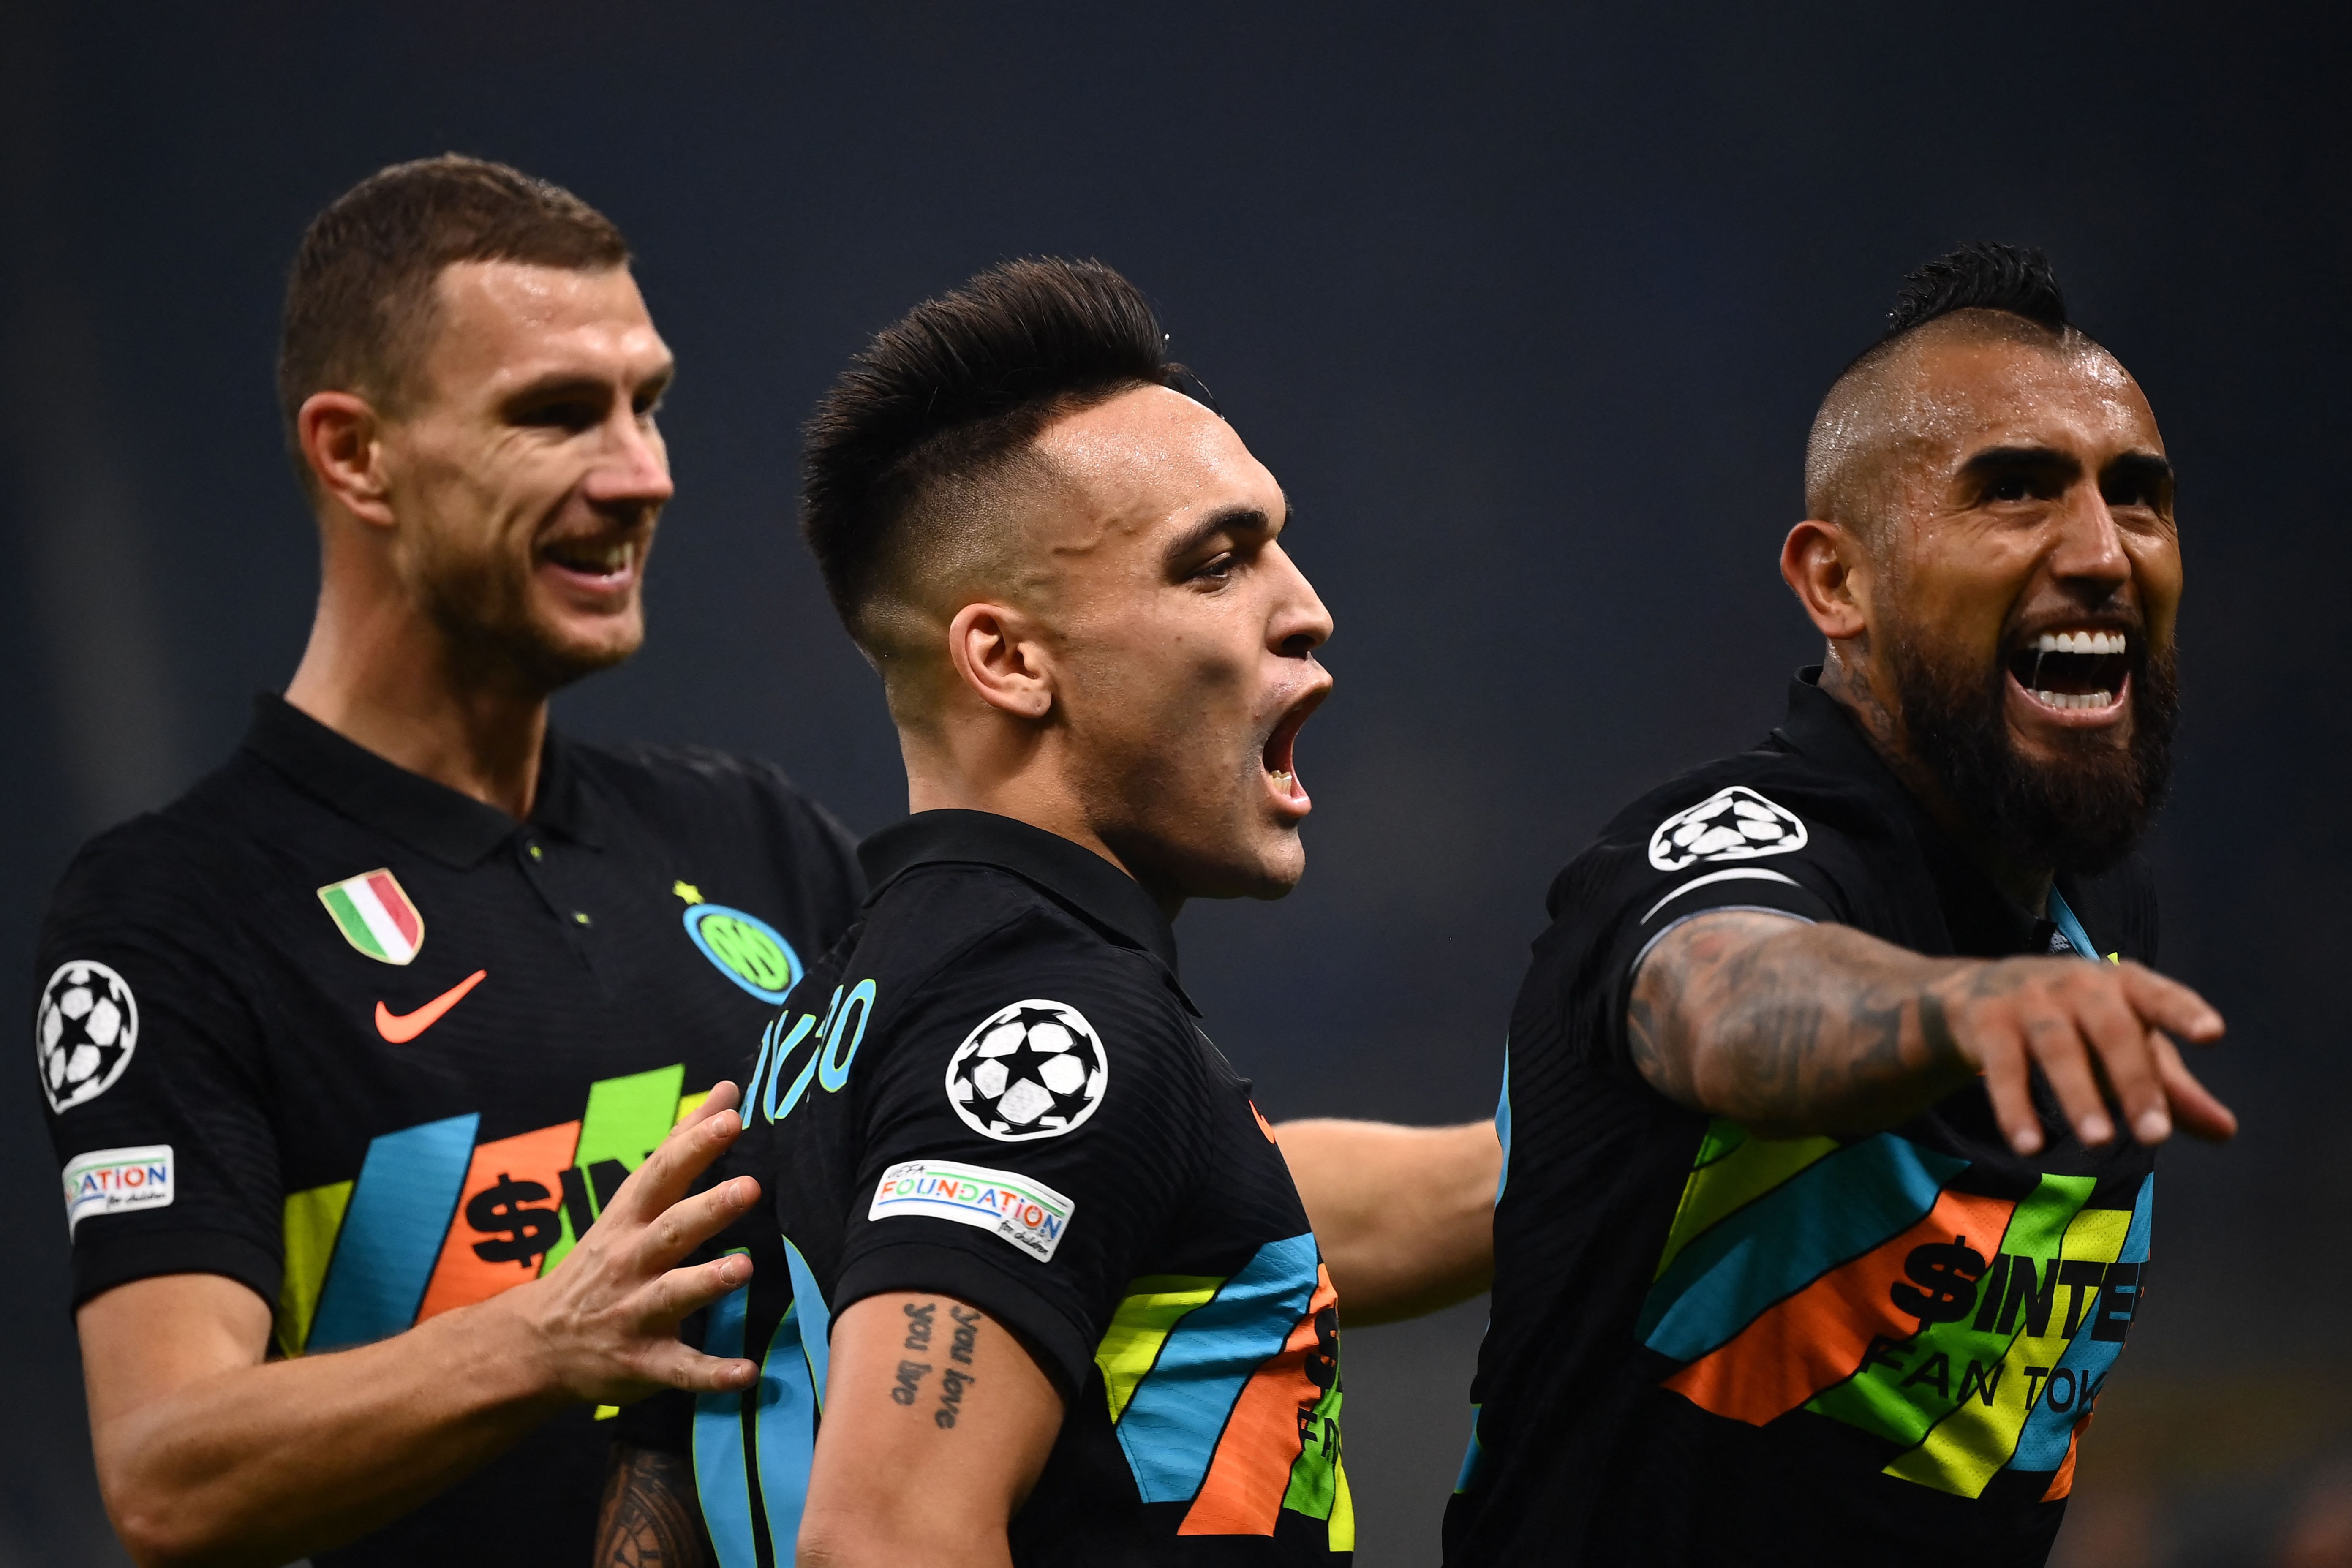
(482, 605)
(2082, 810)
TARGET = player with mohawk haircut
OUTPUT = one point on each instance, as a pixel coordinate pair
(1833, 1090)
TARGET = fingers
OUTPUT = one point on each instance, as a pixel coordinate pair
(723, 1096)
(2009, 1084)
(685, 1226)
(2200, 1115)
(2055, 1043)
(2121, 1041)
(677, 1366)
(684, 1291)
(666, 1174)
(2170, 1005)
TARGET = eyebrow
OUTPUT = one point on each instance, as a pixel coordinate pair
(2144, 467)
(2044, 460)
(556, 385)
(1232, 520)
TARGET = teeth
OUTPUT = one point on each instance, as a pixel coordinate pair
(2080, 642)
(2068, 700)
(1282, 777)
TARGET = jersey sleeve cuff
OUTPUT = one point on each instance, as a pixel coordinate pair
(100, 1263)
(1740, 888)
(1061, 1349)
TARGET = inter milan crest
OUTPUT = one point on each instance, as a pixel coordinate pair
(1031, 1069)
(1734, 823)
(84, 1031)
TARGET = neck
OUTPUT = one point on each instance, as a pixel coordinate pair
(1010, 773)
(382, 674)
(2028, 886)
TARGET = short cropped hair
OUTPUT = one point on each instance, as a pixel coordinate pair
(361, 302)
(904, 450)
(2015, 283)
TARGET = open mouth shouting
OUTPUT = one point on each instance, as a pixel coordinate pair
(2074, 676)
(1279, 759)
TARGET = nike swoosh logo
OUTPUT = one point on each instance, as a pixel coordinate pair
(402, 1027)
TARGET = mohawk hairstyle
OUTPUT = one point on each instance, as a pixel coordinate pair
(950, 396)
(1980, 275)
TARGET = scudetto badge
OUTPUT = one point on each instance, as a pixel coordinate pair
(84, 1031)
(1031, 1069)
(1734, 824)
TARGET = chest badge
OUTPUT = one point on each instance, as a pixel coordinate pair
(745, 948)
(375, 915)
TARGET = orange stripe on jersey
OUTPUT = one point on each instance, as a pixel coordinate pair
(508, 1216)
(1817, 1337)
(1249, 1473)
(2063, 1481)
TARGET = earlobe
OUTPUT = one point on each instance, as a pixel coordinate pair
(340, 436)
(1817, 562)
(998, 656)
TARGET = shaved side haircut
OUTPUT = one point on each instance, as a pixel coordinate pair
(363, 300)
(1982, 291)
(919, 455)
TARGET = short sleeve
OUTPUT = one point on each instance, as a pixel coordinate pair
(149, 1059)
(1675, 857)
(1033, 1125)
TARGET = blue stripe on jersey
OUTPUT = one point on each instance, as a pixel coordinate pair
(719, 1474)
(785, 1428)
(816, 1320)
(1171, 1424)
(2050, 1425)
(1503, 1124)
(400, 1212)
(2062, 915)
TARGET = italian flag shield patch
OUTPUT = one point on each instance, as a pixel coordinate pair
(373, 913)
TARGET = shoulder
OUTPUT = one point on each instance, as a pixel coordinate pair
(160, 862)
(660, 780)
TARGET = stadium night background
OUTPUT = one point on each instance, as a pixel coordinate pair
(1528, 308)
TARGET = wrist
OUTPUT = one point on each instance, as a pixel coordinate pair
(515, 1348)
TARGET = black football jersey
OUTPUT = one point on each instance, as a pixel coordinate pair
(1710, 1347)
(995, 1089)
(376, 1049)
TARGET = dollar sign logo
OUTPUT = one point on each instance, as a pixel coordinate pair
(1945, 1276)
(517, 1234)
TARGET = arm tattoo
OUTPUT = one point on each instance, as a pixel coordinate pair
(922, 1323)
(649, 1519)
(1783, 1026)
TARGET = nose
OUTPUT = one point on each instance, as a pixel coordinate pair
(2090, 552)
(632, 469)
(1300, 623)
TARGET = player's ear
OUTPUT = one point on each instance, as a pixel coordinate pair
(342, 441)
(1827, 567)
(998, 653)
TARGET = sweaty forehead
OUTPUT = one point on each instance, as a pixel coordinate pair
(1961, 394)
(1151, 457)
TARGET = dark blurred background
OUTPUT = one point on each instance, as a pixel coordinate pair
(1528, 309)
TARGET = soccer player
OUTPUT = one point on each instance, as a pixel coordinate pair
(350, 1047)
(1043, 1269)
(1833, 1090)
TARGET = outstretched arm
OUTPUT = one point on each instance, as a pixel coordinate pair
(1404, 1216)
(208, 1454)
(937, 1423)
(1791, 1029)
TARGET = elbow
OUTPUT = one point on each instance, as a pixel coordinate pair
(159, 1529)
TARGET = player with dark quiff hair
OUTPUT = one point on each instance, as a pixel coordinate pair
(1036, 1282)
(377, 1062)
(1832, 1093)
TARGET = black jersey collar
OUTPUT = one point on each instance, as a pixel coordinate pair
(1980, 916)
(1073, 874)
(430, 818)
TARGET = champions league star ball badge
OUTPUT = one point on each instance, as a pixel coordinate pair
(83, 1032)
(1734, 823)
(1031, 1069)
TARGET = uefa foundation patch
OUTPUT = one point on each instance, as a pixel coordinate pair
(117, 1181)
(375, 915)
(1030, 1215)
